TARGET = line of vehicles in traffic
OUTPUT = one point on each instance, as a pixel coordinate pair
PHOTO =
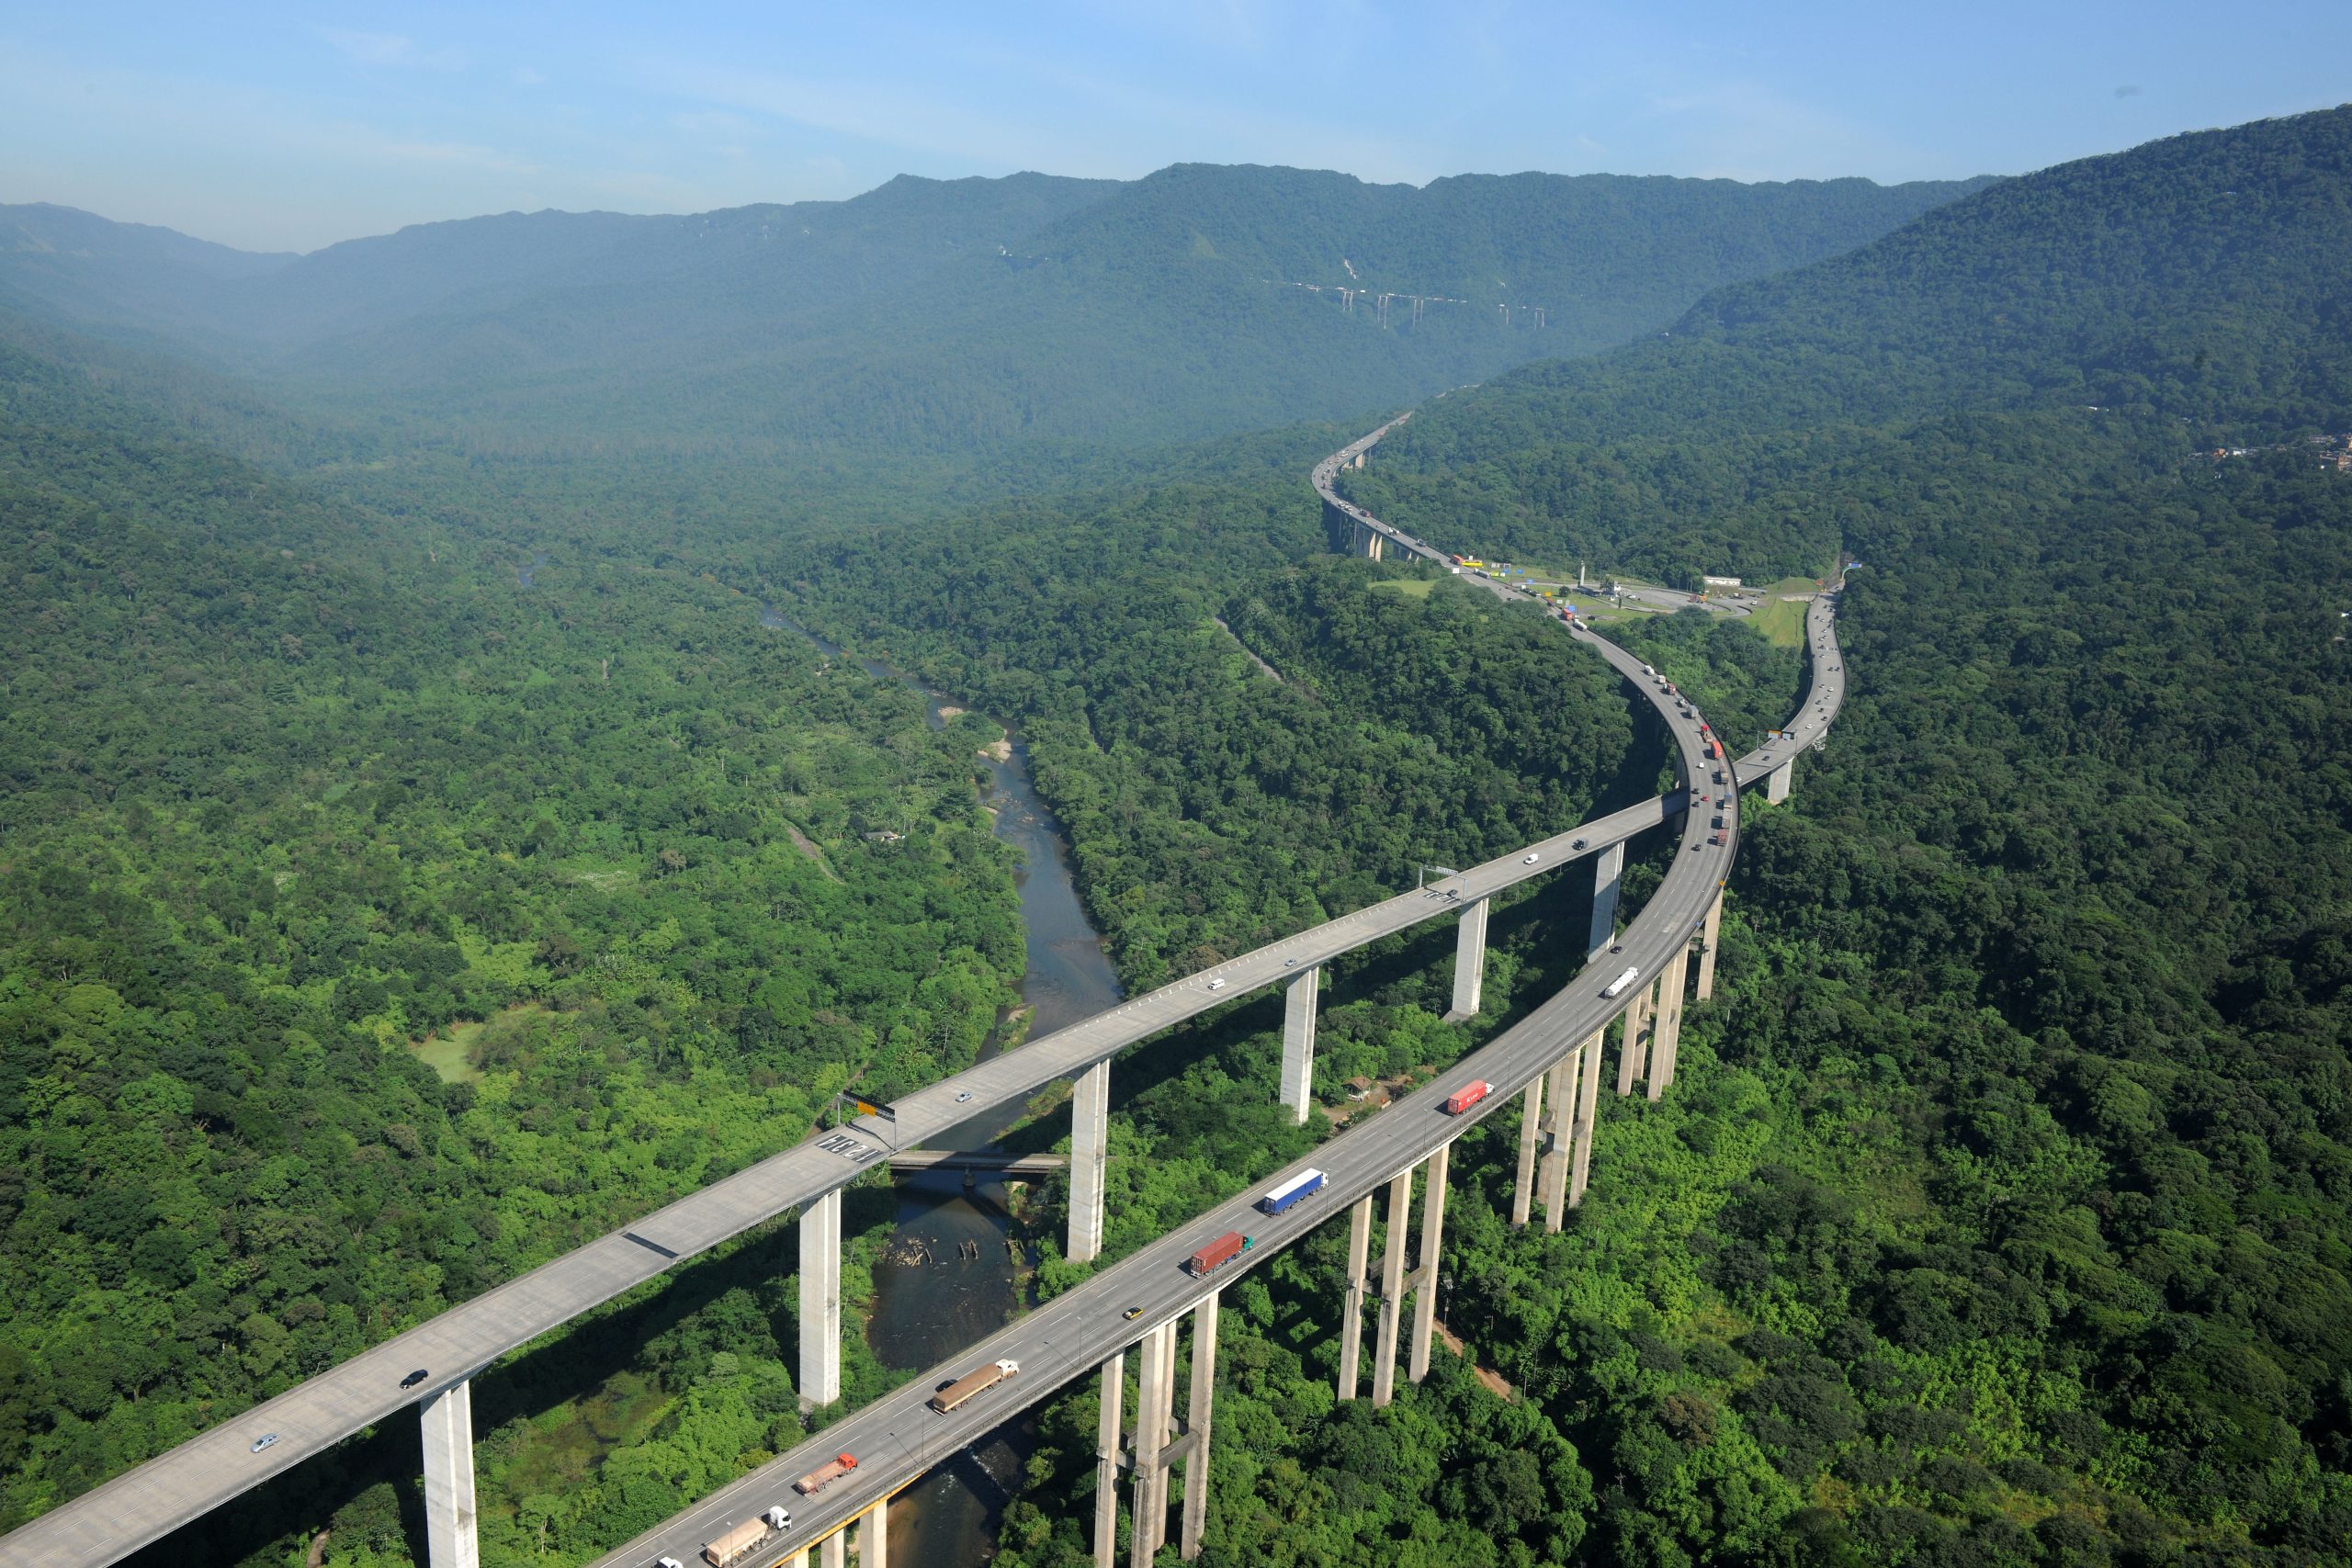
(737, 1543)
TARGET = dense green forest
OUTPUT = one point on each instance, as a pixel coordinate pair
(1997, 1215)
(2052, 937)
(289, 788)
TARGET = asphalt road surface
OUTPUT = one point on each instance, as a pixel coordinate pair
(899, 1436)
(145, 1504)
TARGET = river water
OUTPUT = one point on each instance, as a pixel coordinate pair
(968, 1287)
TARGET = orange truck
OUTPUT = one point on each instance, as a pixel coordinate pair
(1224, 1249)
(1465, 1097)
(825, 1474)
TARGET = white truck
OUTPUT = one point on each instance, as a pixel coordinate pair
(1632, 973)
(735, 1544)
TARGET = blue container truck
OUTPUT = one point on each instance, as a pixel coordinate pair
(1305, 1184)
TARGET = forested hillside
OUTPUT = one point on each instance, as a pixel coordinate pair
(416, 866)
(931, 316)
(296, 799)
(2052, 931)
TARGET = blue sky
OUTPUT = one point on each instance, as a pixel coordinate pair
(289, 127)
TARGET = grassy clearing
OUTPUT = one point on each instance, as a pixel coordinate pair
(1410, 587)
(447, 1055)
(1779, 620)
(450, 1054)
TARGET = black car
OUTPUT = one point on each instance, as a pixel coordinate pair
(415, 1378)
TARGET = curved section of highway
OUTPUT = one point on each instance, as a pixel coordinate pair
(898, 1437)
(141, 1506)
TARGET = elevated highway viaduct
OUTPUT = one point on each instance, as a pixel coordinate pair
(145, 1504)
(1137, 1305)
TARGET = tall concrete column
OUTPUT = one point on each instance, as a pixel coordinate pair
(448, 1421)
(1587, 1106)
(1153, 1406)
(1392, 1286)
(1708, 939)
(1106, 1461)
(1777, 782)
(1608, 873)
(1432, 1243)
(1531, 1123)
(1629, 1060)
(1559, 1123)
(1469, 962)
(1197, 1463)
(1669, 1022)
(835, 1551)
(1301, 994)
(1351, 1326)
(1090, 1154)
(820, 1301)
(874, 1537)
(1657, 1022)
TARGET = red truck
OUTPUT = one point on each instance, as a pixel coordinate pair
(1714, 748)
(1224, 1249)
(1467, 1096)
(825, 1474)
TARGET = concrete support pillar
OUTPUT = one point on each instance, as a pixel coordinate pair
(1106, 1461)
(1432, 1244)
(1351, 1326)
(1531, 1122)
(820, 1301)
(874, 1537)
(1392, 1286)
(1629, 1059)
(1708, 940)
(1558, 1124)
(1607, 872)
(448, 1421)
(1649, 1059)
(835, 1551)
(1669, 1022)
(1469, 962)
(1197, 1463)
(1153, 1408)
(1089, 1152)
(1587, 1106)
(1300, 997)
(1777, 782)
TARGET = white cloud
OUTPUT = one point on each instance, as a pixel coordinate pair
(393, 49)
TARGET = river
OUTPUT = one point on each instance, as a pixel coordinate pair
(925, 1311)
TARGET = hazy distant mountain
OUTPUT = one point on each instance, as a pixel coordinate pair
(933, 314)
(2190, 291)
(2200, 278)
(61, 261)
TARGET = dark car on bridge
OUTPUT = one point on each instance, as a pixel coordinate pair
(415, 1378)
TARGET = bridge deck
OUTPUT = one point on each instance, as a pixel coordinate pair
(143, 1504)
(900, 1436)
